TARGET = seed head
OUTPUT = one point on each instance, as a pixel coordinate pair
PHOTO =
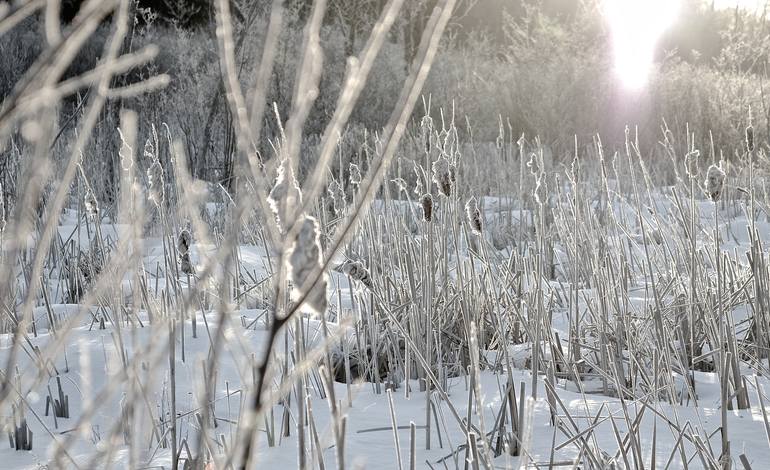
(149, 149)
(357, 272)
(156, 188)
(426, 125)
(337, 195)
(474, 215)
(91, 204)
(185, 265)
(427, 207)
(285, 186)
(691, 163)
(183, 242)
(355, 175)
(444, 175)
(715, 180)
(305, 257)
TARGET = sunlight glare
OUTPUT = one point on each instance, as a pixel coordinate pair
(636, 26)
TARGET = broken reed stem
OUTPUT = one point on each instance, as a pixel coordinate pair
(394, 426)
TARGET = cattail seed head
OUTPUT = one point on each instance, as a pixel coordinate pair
(156, 186)
(184, 241)
(149, 150)
(306, 257)
(426, 126)
(185, 265)
(534, 164)
(357, 272)
(444, 175)
(715, 180)
(355, 175)
(474, 215)
(337, 195)
(750, 138)
(285, 185)
(691, 163)
(427, 207)
(91, 205)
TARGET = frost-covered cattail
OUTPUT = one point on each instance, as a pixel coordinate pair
(715, 181)
(156, 186)
(426, 201)
(357, 272)
(91, 204)
(183, 241)
(534, 164)
(285, 184)
(337, 194)
(305, 258)
(474, 215)
(691, 163)
(355, 175)
(185, 265)
(750, 138)
(444, 175)
(426, 126)
(149, 149)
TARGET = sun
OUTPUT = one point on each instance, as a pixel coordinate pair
(636, 26)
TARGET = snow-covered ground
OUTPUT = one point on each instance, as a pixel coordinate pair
(114, 365)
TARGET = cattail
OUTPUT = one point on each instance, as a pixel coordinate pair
(305, 258)
(183, 241)
(474, 215)
(279, 195)
(337, 195)
(426, 125)
(691, 163)
(534, 164)
(750, 138)
(91, 204)
(444, 175)
(355, 175)
(185, 265)
(427, 207)
(155, 182)
(715, 180)
(86, 268)
(357, 272)
(149, 149)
